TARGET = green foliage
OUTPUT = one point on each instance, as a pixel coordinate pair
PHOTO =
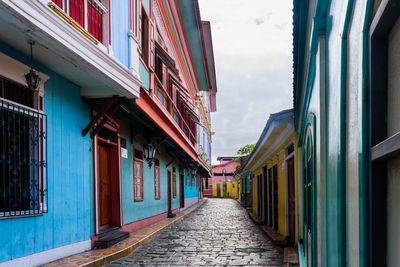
(245, 150)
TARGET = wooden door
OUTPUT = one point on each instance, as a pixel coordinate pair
(265, 196)
(105, 184)
(270, 208)
(181, 190)
(292, 202)
(275, 194)
(218, 190)
(169, 190)
(259, 197)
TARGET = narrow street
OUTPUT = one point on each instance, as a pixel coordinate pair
(219, 233)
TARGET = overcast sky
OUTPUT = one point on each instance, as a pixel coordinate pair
(253, 56)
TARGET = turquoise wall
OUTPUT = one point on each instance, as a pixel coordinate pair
(146, 4)
(120, 27)
(144, 76)
(69, 162)
(134, 211)
(190, 191)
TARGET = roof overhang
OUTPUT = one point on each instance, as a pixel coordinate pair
(278, 128)
(63, 49)
(190, 14)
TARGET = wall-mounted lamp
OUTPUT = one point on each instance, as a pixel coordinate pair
(32, 78)
(194, 172)
(149, 152)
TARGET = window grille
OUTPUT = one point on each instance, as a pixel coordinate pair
(23, 170)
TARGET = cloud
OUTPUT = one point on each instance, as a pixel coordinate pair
(253, 56)
(259, 21)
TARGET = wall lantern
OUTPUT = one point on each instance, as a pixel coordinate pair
(149, 152)
(32, 78)
(194, 172)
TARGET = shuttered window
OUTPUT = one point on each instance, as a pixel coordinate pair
(76, 11)
(157, 193)
(59, 3)
(174, 182)
(138, 175)
(95, 21)
(152, 51)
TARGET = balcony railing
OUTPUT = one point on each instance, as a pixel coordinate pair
(170, 106)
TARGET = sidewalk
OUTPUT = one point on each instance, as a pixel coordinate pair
(136, 239)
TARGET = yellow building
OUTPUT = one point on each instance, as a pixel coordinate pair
(231, 189)
(223, 183)
(273, 176)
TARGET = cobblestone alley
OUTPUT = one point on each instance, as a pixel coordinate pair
(219, 233)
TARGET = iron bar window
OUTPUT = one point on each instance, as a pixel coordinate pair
(23, 180)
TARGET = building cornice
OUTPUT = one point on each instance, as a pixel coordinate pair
(50, 29)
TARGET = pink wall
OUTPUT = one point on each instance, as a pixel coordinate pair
(228, 166)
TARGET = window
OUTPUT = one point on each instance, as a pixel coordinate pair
(92, 15)
(23, 186)
(157, 193)
(138, 174)
(146, 39)
(59, 3)
(174, 182)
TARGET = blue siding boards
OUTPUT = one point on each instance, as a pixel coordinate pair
(120, 27)
(190, 191)
(149, 207)
(69, 164)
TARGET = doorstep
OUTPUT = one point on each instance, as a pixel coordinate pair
(276, 237)
(290, 257)
(136, 239)
(254, 217)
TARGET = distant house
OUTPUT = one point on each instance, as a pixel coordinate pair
(222, 182)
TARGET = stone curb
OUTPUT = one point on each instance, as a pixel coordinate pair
(115, 255)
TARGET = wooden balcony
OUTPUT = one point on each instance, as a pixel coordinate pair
(168, 103)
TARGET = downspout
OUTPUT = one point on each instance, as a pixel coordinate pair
(365, 251)
(342, 240)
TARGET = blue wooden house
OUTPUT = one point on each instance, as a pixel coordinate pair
(105, 126)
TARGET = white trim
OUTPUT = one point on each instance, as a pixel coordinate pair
(15, 70)
(49, 255)
(96, 193)
(66, 39)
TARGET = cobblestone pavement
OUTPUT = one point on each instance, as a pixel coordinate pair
(219, 233)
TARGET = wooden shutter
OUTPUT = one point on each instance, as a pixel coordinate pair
(138, 179)
(76, 11)
(152, 50)
(157, 182)
(174, 184)
(139, 25)
(59, 3)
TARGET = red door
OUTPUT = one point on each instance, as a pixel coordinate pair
(292, 202)
(169, 190)
(105, 184)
